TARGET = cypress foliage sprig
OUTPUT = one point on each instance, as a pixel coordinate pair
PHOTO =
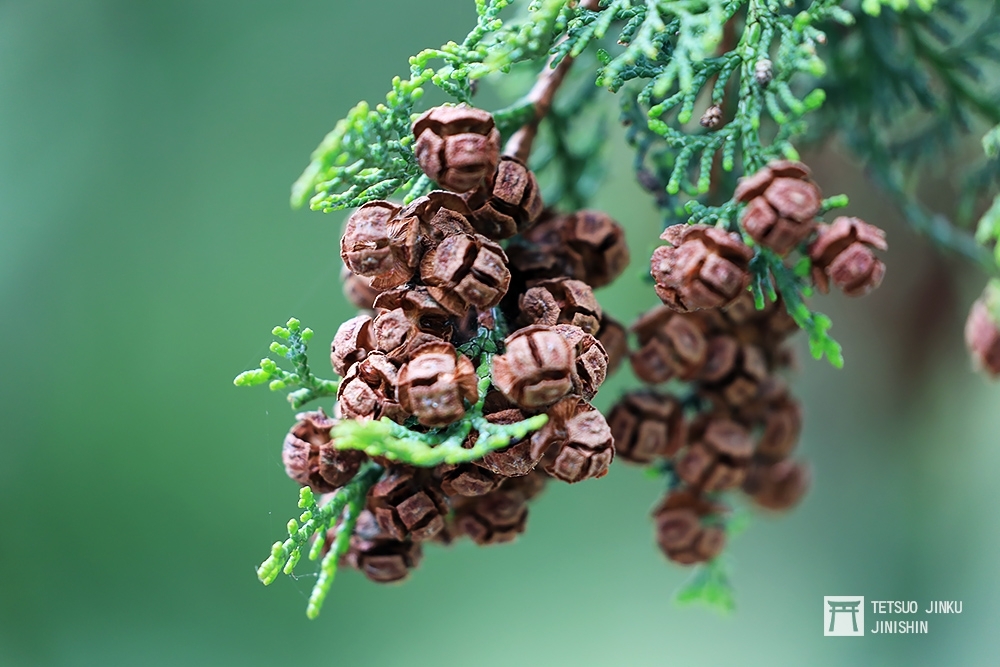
(311, 525)
(341, 542)
(304, 387)
(902, 86)
(710, 585)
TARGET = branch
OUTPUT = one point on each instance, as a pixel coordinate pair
(541, 95)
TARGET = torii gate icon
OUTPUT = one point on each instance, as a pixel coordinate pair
(844, 606)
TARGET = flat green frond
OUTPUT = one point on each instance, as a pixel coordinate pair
(663, 40)
(303, 387)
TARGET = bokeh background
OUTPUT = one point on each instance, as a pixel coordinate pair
(147, 248)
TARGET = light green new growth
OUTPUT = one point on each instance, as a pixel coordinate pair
(874, 7)
(398, 443)
(772, 277)
(341, 543)
(709, 585)
(312, 524)
(291, 344)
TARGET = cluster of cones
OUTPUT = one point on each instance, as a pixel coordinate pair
(483, 254)
(432, 276)
(738, 425)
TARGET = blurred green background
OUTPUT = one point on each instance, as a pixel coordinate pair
(146, 249)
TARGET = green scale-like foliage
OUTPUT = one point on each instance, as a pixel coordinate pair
(902, 87)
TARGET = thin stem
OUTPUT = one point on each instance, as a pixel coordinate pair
(541, 97)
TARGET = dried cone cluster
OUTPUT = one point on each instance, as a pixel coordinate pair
(429, 277)
(739, 424)
(735, 431)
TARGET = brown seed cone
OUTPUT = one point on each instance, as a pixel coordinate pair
(351, 344)
(537, 369)
(682, 532)
(576, 443)
(457, 147)
(599, 241)
(311, 459)
(712, 117)
(647, 425)
(781, 419)
(671, 345)
(466, 480)
(982, 337)
(433, 384)
(766, 328)
(368, 390)
(494, 518)
(397, 336)
(843, 253)
(782, 204)
(777, 486)
(402, 238)
(718, 455)
(369, 247)
(733, 371)
(357, 290)
(703, 267)
(590, 360)
(613, 336)
(757, 183)
(586, 245)
(376, 554)
(561, 301)
(507, 205)
(530, 485)
(420, 308)
(466, 271)
(428, 220)
(407, 503)
(515, 460)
